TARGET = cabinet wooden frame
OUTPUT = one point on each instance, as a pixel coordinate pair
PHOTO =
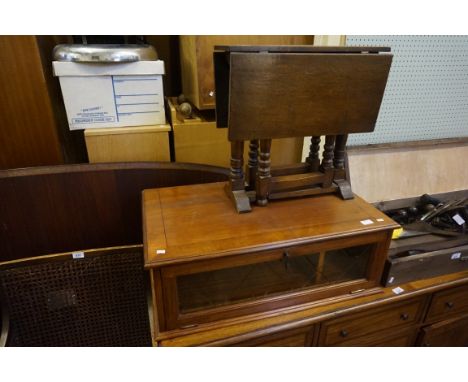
(451, 332)
(303, 336)
(168, 300)
(389, 338)
(447, 304)
(318, 314)
(372, 324)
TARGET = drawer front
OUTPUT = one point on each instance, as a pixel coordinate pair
(353, 326)
(453, 332)
(448, 303)
(388, 338)
(401, 340)
(289, 338)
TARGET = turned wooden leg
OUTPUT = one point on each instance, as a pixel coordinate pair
(340, 146)
(263, 173)
(313, 158)
(237, 161)
(236, 188)
(327, 161)
(252, 164)
(340, 177)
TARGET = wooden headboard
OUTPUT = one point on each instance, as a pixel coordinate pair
(46, 210)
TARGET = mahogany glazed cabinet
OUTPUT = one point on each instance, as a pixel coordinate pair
(209, 265)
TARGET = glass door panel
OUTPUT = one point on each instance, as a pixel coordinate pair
(290, 273)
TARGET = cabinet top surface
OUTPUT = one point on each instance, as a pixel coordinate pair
(199, 221)
(300, 49)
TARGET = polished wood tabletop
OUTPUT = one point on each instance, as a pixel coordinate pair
(196, 222)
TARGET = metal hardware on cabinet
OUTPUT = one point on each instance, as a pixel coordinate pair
(449, 304)
(404, 316)
(357, 291)
(188, 326)
(344, 333)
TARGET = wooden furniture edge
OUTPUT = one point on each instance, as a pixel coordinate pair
(61, 255)
(300, 48)
(127, 130)
(177, 119)
(117, 166)
(429, 144)
(146, 248)
(277, 245)
(290, 318)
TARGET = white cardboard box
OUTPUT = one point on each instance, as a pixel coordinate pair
(112, 95)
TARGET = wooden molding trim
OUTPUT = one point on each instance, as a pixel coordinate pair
(89, 167)
(128, 130)
(409, 145)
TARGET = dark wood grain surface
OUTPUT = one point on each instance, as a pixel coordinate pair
(196, 53)
(451, 332)
(279, 95)
(47, 210)
(34, 129)
(300, 49)
(72, 143)
(289, 338)
(427, 264)
(447, 304)
(27, 135)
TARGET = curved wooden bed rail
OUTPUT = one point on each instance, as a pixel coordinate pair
(55, 209)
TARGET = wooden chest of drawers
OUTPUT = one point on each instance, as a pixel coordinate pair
(289, 338)
(446, 304)
(350, 329)
(377, 319)
(453, 332)
(302, 272)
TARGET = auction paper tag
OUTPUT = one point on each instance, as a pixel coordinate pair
(78, 255)
(398, 290)
(380, 220)
(391, 279)
(160, 251)
(458, 219)
(367, 222)
(455, 256)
